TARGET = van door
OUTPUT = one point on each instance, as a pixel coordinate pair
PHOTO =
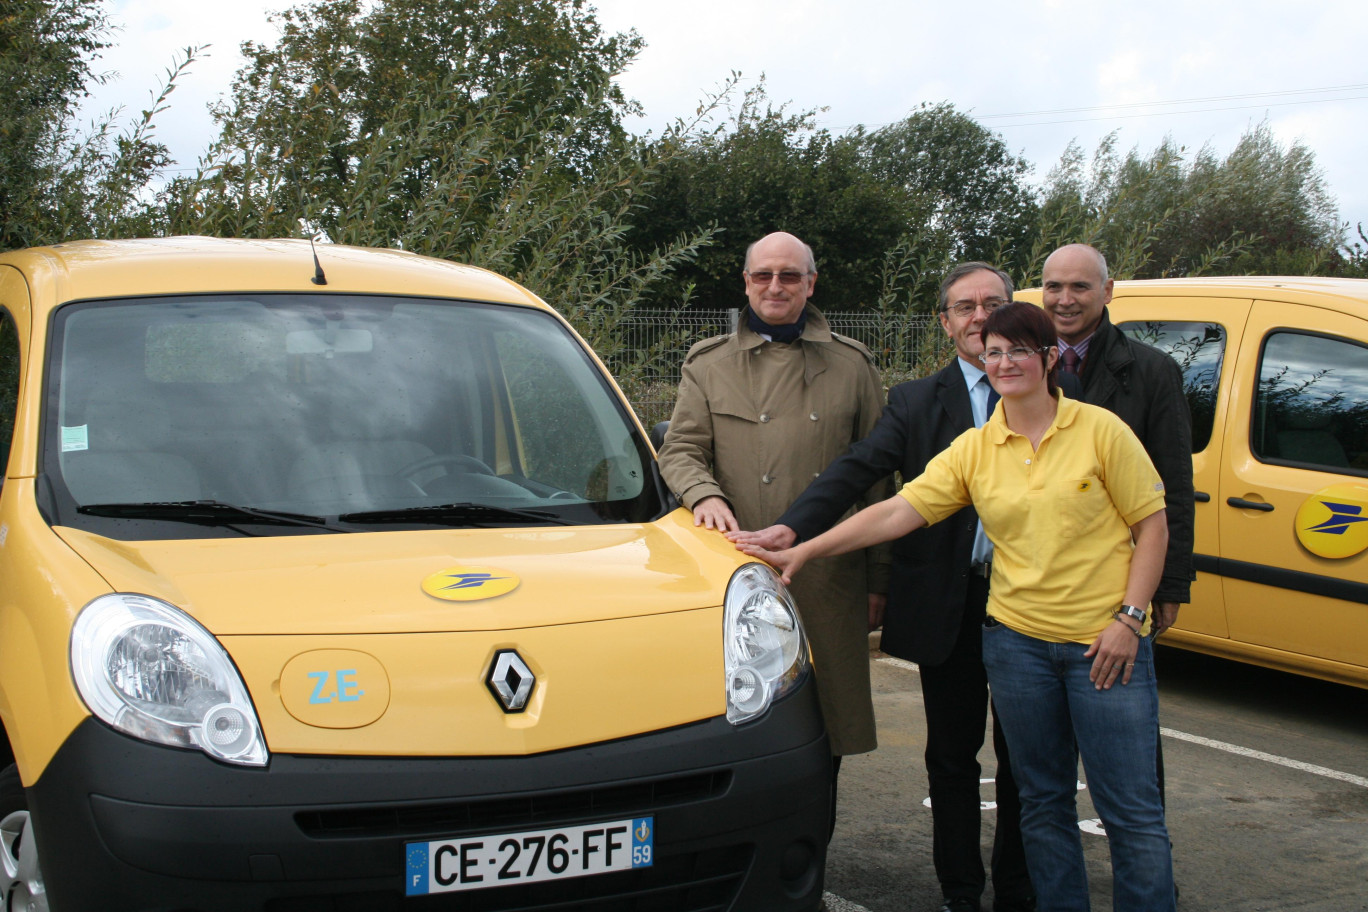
(1200, 334)
(1294, 487)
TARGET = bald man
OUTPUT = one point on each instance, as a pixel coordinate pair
(1141, 385)
(760, 413)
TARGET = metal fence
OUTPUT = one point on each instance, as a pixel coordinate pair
(652, 345)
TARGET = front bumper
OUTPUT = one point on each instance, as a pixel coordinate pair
(742, 817)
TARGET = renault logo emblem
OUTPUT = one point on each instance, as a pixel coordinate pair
(510, 681)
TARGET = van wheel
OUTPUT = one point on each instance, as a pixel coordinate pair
(21, 880)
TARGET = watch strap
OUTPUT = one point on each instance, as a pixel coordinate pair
(1132, 611)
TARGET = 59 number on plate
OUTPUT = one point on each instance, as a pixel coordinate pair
(494, 861)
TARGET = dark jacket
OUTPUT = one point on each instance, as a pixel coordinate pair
(1144, 388)
(929, 573)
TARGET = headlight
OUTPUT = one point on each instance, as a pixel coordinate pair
(149, 670)
(766, 652)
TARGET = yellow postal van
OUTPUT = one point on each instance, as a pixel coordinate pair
(1276, 374)
(350, 582)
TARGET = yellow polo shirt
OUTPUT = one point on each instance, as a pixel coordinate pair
(1059, 517)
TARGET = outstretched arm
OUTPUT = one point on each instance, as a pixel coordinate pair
(884, 521)
(774, 538)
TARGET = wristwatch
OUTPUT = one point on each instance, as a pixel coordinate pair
(1137, 613)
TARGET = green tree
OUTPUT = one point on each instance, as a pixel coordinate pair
(1264, 208)
(47, 51)
(58, 182)
(977, 190)
(1353, 257)
(472, 134)
(770, 170)
(1274, 193)
(342, 69)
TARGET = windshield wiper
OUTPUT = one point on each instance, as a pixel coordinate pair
(457, 514)
(207, 513)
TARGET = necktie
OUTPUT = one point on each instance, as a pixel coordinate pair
(982, 550)
(1069, 361)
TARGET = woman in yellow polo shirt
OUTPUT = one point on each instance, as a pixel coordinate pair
(1075, 511)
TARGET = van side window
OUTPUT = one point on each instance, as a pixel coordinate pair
(9, 387)
(1199, 349)
(1311, 406)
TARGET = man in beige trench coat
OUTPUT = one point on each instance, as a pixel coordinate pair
(761, 412)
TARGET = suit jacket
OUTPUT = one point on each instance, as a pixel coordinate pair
(929, 574)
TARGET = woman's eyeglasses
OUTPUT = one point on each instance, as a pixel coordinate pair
(993, 355)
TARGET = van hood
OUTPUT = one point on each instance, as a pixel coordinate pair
(476, 580)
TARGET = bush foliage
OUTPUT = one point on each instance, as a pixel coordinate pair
(491, 131)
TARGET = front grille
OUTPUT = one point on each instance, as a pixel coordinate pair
(687, 882)
(635, 799)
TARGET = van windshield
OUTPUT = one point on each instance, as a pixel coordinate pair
(301, 414)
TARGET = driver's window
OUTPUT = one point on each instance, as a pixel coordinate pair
(1311, 405)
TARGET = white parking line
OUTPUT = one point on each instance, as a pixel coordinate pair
(1267, 758)
(834, 903)
(900, 663)
(1315, 770)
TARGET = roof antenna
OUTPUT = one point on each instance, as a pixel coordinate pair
(318, 277)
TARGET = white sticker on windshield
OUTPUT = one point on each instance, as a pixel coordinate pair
(75, 438)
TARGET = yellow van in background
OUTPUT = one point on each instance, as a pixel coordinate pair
(1276, 375)
(348, 580)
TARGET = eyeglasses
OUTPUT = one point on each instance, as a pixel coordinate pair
(966, 308)
(764, 277)
(993, 355)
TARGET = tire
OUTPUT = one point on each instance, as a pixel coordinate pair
(21, 879)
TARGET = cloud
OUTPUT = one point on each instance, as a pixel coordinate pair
(871, 62)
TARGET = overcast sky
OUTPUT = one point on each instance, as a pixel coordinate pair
(1040, 74)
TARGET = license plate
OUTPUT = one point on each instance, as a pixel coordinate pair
(494, 861)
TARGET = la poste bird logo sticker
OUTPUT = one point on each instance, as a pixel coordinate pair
(1333, 522)
(470, 584)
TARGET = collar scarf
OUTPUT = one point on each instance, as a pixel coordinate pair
(788, 333)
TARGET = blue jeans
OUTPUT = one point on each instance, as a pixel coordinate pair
(1047, 705)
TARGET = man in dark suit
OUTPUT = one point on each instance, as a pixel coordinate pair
(1142, 386)
(938, 593)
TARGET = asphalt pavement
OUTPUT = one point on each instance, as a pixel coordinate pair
(1267, 778)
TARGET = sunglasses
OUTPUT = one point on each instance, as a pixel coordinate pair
(764, 277)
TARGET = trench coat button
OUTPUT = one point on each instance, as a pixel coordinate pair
(764, 419)
(813, 416)
(767, 479)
